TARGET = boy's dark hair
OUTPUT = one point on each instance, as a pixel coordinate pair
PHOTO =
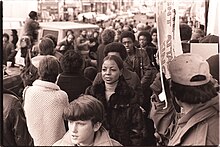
(128, 34)
(48, 69)
(71, 62)
(193, 94)
(116, 47)
(86, 107)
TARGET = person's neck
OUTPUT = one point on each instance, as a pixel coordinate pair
(111, 87)
(186, 108)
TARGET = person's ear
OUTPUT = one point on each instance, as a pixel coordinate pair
(97, 126)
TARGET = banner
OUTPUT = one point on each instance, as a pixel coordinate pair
(213, 18)
(168, 36)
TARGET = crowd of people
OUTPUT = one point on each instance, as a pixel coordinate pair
(102, 89)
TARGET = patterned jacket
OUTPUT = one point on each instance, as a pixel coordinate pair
(44, 103)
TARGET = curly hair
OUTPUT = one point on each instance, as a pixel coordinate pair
(71, 62)
(153, 30)
(116, 47)
(146, 34)
(128, 34)
(108, 36)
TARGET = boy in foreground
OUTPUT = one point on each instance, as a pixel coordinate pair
(85, 116)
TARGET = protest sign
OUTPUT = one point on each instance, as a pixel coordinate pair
(168, 37)
(205, 50)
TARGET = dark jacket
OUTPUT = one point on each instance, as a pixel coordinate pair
(133, 81)
(15, 131)
(199, 127)
(124, 118)
(73, 84)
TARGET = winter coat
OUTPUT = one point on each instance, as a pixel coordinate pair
(133, 81)
(15, 131)
(73, 84)
(200, 126)
(102, 138)
(124, 118)
(44, 103)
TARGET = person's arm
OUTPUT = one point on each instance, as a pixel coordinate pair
(19, 126)
(164, 118)
(81, 45)
(137, 125)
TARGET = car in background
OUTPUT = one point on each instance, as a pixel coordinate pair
(59, 29)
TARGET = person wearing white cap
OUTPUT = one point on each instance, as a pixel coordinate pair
(192, 89)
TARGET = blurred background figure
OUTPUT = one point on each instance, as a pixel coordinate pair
(107, 36)
(185, 36)
(197, 35)
(66, 44)
(71, 80)
(14, 34)
(8, 50)
(90, 73)
(31, 27)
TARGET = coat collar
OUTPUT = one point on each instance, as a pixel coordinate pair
(46, 84)
(198, 114)
(102, 138)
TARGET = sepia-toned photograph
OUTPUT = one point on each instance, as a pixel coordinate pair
(110, 72)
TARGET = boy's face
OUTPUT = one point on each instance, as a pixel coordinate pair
(128, 43)
(82, 132)
(142, 41)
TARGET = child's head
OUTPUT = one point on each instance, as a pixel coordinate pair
(83, 108)
(85, 116)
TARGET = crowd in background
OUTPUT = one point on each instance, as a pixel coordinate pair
(118, 65)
